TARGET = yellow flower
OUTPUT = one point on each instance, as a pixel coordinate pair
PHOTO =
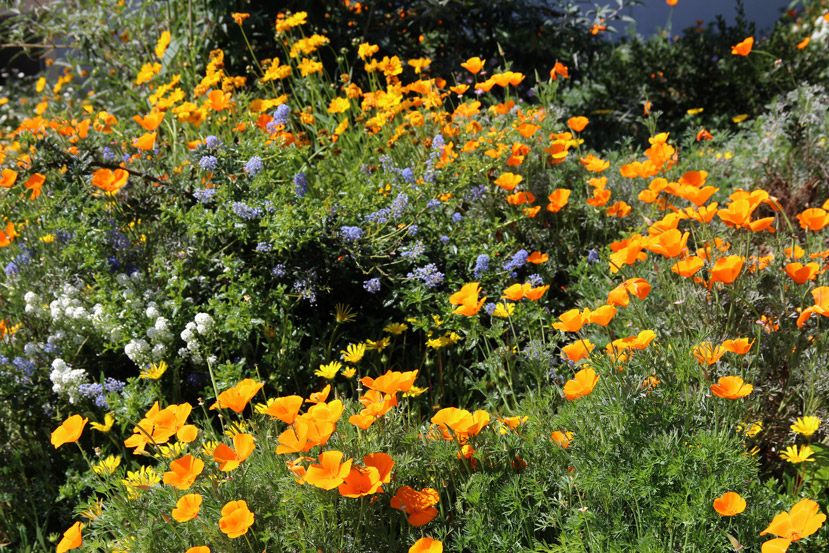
(170, 450)
(239, 17)
(414, 391)
(238, 427)
(379, 345)
(366, 50)
(750, 429)
(108, 465)
(154, 371)
(343, 313)
(806, 425)
(740, 118)
(94, 510)
(792, 455)
(504, 310)
(262, 407)
(694, 111)
(349, 372)
(447, 339)
(330, 370)
(353, 353)
(209, 447)
(137, 480)
(396, 328)
(47, 238)
(148, 71)
(339, 105)
(163, 42)
(109, 420)
(308, 66)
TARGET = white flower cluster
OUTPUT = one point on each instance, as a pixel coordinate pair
(34, 306)
(66, 380)
(203, 325)
(68, 307)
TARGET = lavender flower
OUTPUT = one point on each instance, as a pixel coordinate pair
(280, 116)
(204, 195)
(263, 247)
(457, 217)
(372, 285)
(208, 163)
(253, 166)
(592, 256)
(300, 185)
(413, 252)
(433, 204)
(481, 265)
(351, 234)
(516, 261)
(413, 230)
(278, 271)
(244, 211)
(428, 274)
(212, 142)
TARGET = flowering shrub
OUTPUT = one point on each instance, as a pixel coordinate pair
(250, 310)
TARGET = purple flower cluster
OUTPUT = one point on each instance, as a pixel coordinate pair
(372, 285)
(209, 163)
(253, 166)
(428, 275)
(300, 185)
(351, 234)
(245, 211)
(481, 265)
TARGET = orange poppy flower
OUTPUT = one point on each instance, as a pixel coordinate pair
(360, 481)
(729, 504)
(69, 431)
(618, 209)
(527, 129)
(537, 258)
(35, 183)
(582, 385)
(558, 199)
(802, 273)
(707, 354)
(427, 545)
(237, 398)
(295, 440)
(639, 287)
(534, 294)
(520, 198)
(391, 382)
(239, 17)
(329, 473)
(743, 48)
(671, 243)
(603, 315)
(578, 123)
(804, 43)
(151, 121)
(704, 135)
(508, 181)
(467, 299)
(285, 408)
(559, 69)
(8, 178)
(821, 306)
(228, 458)
(572, 320)
(731, 387)
(740, 346)
(473, 65)
(688, 267)
(198, 549)
(813, 219)
(578, 350)
(703, 214)
(801, 521)
(418, 505)
(183, 472)
(600, 197)
(236, 519)
(321, 396)
(594, 164)
(187, 507)
(562, 438)
(145, 141)
(72, 538)
(459, 89)
(6, 238)
(110, 181)
(726, 269)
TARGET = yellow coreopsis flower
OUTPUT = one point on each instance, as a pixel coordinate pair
(806, 425)
(349, 372)
(379, 345)
(504, 310)
(396, 328)
(792, 455)
(353, 353)
(154, 371)
(107, 466)
(329, 371)
(339, 105)
(109, 420)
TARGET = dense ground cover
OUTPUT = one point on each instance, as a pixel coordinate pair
(332, 300)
